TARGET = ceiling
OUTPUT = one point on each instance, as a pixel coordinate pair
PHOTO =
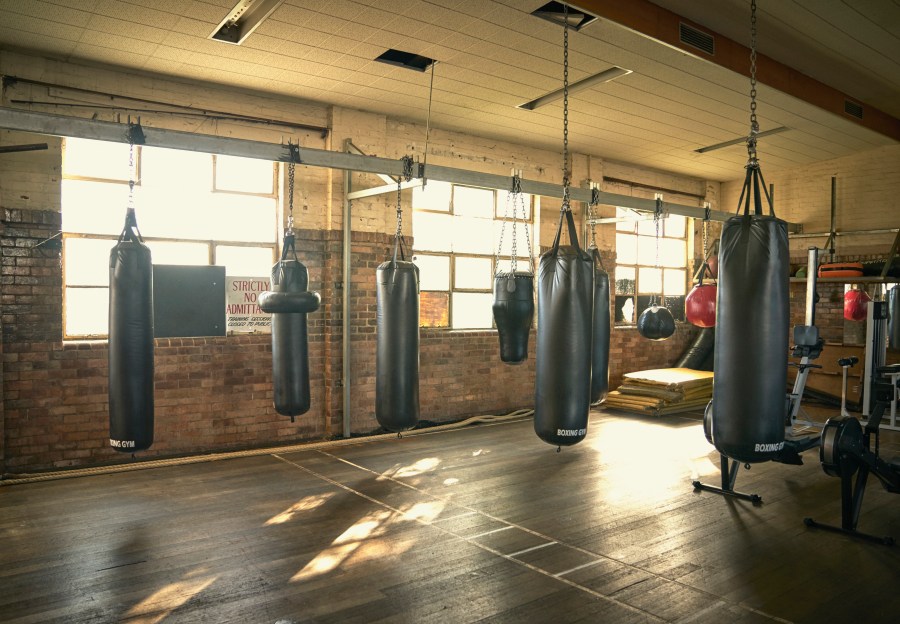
(493, 55)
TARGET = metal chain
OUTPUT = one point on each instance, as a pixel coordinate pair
(706, 216)
(516, 192)
(754, 124)
(595, 199)
(407, 176)
(565, 167)
(131, 173)
(657, 218)
(290, 223)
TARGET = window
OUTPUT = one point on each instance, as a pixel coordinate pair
(457, 230)
(637, 277)
(192, 208)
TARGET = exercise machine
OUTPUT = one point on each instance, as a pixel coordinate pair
(847, 451)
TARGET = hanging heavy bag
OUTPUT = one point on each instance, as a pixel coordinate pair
(397, 338)
(855, 308)
(563, 362)
(600, 330)
(289, 301)
(513, 305)
(893, 306)
(752, 326)
(513, 309)
(130, 341)
(700, 303)
(699, 353)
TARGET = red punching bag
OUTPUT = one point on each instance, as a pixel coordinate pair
(700, 303)
(855, 301)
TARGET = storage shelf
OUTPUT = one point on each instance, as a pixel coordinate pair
(866, 279)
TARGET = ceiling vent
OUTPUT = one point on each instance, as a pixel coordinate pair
(556, 12)
(405, 59)
(696, 38)
(853, 109)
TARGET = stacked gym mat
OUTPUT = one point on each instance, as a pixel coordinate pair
(662, 391)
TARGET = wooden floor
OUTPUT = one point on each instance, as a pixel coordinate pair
(484, 524)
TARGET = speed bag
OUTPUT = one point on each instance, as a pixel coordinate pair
(562, 388)
(656, 323)
(130, 347)
(600, 331)
(700, 305)
(751, 350)
(397, 345)
(290, 340)
(855, 308)
(893, 305)
(513, 313)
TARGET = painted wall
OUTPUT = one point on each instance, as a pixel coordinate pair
(214, 394)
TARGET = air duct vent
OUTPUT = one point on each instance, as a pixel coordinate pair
(556, 11)
(854, 109)
(696, 38)
(405, 59)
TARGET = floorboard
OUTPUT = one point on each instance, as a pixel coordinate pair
(484, 524)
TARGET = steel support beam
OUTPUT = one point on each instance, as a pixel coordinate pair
(60, 125)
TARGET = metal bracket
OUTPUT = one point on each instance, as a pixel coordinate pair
(293, 155)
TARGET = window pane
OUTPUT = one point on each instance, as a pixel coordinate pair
(167, 214)
(94, 207)
(472, 310)
(87, 311)
(168, 252)
(176, 171)
(435, 196)
(646, 227)
(675, 282)
(473, 273)
(247, 175)
(242, 218)
(646, 250)
(473, 202)
(87, 261)
(625, 309)
(629, 215)
(434, 272)
(96, 159)
(472, 235)
(432, 232)
(625, 280)
(672, 252)
(675, 305)
(626, 248)
(649, 281)
(245, 261)
(434, 309)
(506, 212)
(675, 226)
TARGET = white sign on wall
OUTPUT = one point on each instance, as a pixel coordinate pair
(242, 311)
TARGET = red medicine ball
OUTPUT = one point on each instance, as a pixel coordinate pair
(855, 301)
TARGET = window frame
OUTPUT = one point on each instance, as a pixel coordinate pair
(211, 244)
(496, 217)
(636, 296)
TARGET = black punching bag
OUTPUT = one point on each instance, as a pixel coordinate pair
(397, 344)
(600, 357)
(289, 301)
(752, 326)
(513, 313)
(562, 388)
(893, 306)
(130, 342)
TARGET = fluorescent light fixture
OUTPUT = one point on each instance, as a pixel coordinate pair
(556, 12)
(243, 19)
(605, 76)
(743, 139)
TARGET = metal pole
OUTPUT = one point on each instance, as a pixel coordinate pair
(60, 125)
(345, 308)
(811, 271)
